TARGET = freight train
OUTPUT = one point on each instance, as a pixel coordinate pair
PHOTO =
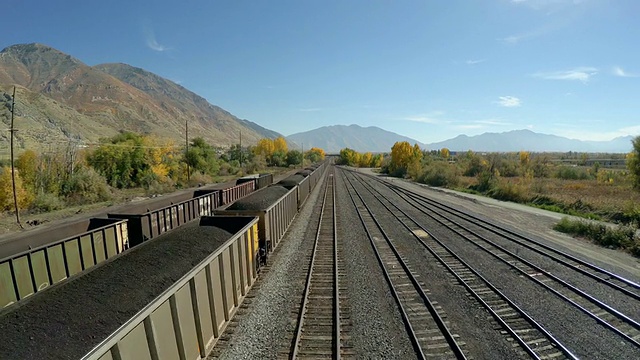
(56, 253)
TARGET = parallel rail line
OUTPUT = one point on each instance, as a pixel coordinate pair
(532, 337)
(615, 281)
(428, 331)
(318, 330)
(614, 320)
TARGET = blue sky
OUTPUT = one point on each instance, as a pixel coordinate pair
(430, 70)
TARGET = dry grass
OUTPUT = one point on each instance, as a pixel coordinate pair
(588, 196)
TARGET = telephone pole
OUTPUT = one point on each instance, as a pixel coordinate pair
(13, 170)
(186, 154)
(240, 148)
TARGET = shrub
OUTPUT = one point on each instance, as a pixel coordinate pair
(623, 237)
(439, 174)
(571, 173)
(508, 191)
(86, 186)
(46, 202)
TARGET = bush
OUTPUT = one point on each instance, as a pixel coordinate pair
(86, 186)
(508, 191)
(46, 202)
(571, 173)
(622, 237)
(439, 174)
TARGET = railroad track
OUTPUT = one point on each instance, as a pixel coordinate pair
(534, 339)
(318, 332)
(616, 321)
(423, 318)
(614, 281)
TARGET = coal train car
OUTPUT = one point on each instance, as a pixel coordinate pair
(52, 255)
(189, 316)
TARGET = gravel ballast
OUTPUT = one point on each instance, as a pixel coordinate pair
(67, 321)
(378, 331)
(260, 200)
(573, 328)
(262, 331)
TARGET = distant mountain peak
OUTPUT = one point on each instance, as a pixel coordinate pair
(334, 138)
(527, 140)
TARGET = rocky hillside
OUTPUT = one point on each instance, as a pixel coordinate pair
(60, 98)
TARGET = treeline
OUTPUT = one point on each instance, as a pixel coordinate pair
(73, 176)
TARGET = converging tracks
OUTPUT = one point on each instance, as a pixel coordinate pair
(425, 325)
(471, 228)
(318, 333)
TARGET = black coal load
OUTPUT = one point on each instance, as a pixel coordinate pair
(260, 200)
(304, 173)
(292, 181)
(68, 321)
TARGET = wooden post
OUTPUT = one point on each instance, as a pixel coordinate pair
(13, 170)
(186, 138)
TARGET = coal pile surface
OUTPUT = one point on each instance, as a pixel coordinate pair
(68, 321)
(291, 182)
(304, 173)
(260, 200)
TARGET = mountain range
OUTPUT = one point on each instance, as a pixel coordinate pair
(374, 139)
(336, 137)
(59, 98)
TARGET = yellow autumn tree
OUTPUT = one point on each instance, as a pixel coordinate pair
(265, 147)
(314, 154)
(6, 191)
(365, 159)
(280, 145)
(160, 155)
(401, 154)
(525, 158)
(27, 164)
(445, 153)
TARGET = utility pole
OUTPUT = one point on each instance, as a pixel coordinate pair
(302, 154)
(13, 170)
(240, 148)
(186, 139)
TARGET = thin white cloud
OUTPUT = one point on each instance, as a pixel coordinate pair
(583, 74)
(618, 71)
(547, 5)
(469, 126)
(152, 43)
(430, 118)
(310, 109)
(509, 101)
(473, 62)
(493, 122)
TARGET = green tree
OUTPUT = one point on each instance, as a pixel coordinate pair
(294, 157)
(202, 157)
(121, 160)
(633, 162)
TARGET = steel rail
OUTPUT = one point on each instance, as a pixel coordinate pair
(527, 242)
(296, 344)
(616, 314)
(487, 224)
(465, 283)
(425, 299)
